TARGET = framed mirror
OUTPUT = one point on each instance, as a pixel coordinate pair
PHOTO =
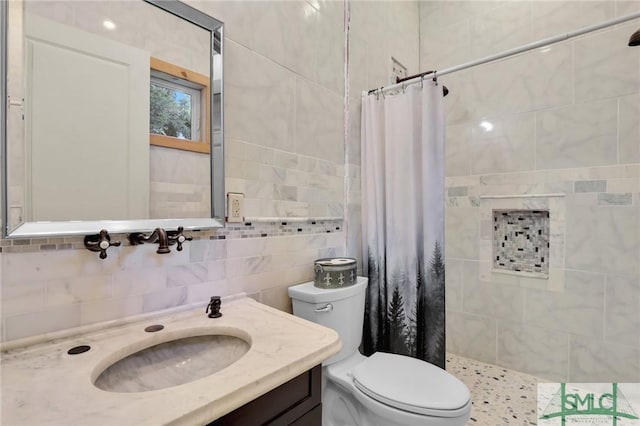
(113, 117)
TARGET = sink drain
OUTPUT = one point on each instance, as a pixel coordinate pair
(154, 328)
(78, 349)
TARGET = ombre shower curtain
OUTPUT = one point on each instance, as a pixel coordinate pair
(403, 143)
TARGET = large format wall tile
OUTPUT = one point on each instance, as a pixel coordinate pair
(578, 308)
(453, 283)
(353, 149)
(540, 79)
(164, 299)
(462, 231)
(503, 144)
(41, 267)
(602, 238)
(367, 17)
(442, 12)
(605, 66)
(622, 310)
(205, 250)
(29, 324)
(259, 99)
(472, 336)
(457, 156)
(78, 289)
(593, 360)
(625, 7)
(330, 49)
(458, 104)
(238, 18)
(319, 126)
(504, 301)
(539, 351)
(629, 129)
(578, 136)
(403, 21)
(551, 18)
(442, 47)
(17, 299)
(139, 281)
(500, 29)
(287, 33)
(109, 309)
(358, 47)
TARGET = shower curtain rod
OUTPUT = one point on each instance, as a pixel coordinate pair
(544, 42)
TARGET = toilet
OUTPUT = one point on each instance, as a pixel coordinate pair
(383, 389)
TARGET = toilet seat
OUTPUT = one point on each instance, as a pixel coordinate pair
(411, 385)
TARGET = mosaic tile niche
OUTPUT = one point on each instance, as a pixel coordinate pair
(521, 241)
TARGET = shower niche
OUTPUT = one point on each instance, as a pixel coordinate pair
(521, 242)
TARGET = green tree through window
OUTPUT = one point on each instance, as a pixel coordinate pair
(170, 112)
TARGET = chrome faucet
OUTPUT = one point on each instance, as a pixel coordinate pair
(159, 235)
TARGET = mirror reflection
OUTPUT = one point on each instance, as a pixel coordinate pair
(114, 109)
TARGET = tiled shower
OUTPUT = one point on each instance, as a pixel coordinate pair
(556, 129)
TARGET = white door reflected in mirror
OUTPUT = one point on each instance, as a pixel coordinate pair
(77, 153)
(93, 146)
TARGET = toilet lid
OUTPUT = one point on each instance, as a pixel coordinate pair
(411, 385)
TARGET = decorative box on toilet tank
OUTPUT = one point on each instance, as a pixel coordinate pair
(335, 272)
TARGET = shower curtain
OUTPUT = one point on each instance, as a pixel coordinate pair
(402, 145)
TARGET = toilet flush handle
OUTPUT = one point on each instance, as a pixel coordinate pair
(327, 308)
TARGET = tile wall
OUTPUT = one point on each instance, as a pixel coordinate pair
(378, 31)
(285, 149)
(565, 121)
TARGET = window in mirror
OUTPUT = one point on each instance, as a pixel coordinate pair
(179, 116)
(174, 110)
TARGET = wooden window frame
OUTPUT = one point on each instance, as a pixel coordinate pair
(204, 144)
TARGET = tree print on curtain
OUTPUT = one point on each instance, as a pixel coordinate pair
(418, 332)
(403, 223)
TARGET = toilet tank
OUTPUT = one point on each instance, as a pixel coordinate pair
(341, 309)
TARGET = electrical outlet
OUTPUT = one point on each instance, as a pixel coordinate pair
(235, 207)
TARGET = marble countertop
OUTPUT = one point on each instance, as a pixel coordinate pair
(43, 385)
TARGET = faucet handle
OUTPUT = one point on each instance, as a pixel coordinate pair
(177, 237)
(100, 242)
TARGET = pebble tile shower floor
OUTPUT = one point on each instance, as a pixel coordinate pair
(500, 396)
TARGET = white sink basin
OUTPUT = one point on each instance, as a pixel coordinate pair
(172, 363)
(43, 384)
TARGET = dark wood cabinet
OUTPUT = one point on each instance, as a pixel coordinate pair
(295, 403)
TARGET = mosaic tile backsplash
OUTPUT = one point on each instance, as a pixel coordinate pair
(521, 241)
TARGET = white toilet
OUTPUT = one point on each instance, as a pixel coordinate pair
(383, 389)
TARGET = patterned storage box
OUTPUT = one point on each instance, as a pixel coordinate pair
(335, 272)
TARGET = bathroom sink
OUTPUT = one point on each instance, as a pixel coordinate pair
(172, 363)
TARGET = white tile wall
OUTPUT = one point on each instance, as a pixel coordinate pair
(527, 347)
(378, 31)
(38, 288)
(565, 121)
(284, 70)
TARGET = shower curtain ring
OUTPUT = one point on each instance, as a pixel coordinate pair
(377, 92)
(403, 87)
(381, 91)
(422, 81)
(435, 77)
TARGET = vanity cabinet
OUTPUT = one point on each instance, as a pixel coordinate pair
(295, 403)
